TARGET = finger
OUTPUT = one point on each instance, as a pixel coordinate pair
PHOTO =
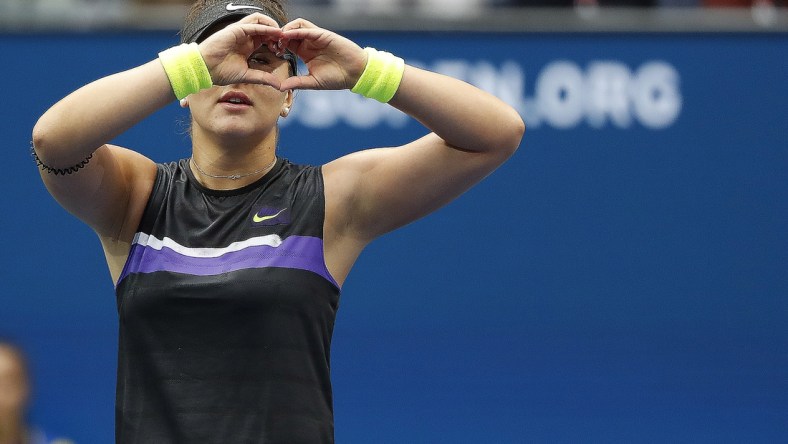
(258, 42)
(298, 24)
(259, 18)
(256, 29)
(262, 78)
(299, 82)
(290, 45)
(273, 46)
(303, 33)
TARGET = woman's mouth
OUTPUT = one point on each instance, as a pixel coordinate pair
(235, 99)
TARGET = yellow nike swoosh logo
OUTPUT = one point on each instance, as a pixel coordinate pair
(257, 218)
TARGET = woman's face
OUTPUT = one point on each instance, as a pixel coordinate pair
(243, 110)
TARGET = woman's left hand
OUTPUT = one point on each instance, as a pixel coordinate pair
(334, 62)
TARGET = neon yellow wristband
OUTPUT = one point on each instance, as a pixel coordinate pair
(186, 69)
(381, 77)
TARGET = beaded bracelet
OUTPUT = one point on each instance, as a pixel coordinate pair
(58, 171)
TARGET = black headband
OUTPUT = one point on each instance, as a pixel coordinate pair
(194, 30)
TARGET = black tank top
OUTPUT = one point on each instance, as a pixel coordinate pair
(226, 311)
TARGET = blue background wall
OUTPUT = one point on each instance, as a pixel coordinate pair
(621, 279)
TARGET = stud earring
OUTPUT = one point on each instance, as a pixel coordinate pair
(285, 111)
(184, 103)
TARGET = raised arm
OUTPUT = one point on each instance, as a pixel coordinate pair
(80, 125)
(115, 183)
(374, 191)
(110, 191)
(472, 134)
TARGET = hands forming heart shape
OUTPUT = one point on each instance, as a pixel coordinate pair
(334, 62)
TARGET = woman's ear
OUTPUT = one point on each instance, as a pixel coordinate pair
(288, 103)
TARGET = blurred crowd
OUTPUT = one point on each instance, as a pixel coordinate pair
(395, 6)
(85, 14)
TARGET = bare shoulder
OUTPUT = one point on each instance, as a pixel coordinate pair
(108, 191)
(340, 178)
(139, 173)
(342, 243)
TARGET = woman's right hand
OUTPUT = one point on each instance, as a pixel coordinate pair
(227, 51)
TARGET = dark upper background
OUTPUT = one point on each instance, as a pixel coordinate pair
(613, 282)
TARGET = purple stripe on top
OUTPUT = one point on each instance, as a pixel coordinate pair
(297, 252)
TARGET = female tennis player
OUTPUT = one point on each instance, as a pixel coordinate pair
(228, 264)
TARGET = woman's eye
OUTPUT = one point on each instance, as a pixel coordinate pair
(258, 60)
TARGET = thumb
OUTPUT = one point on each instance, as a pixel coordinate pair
(299, 82)
(262, 78)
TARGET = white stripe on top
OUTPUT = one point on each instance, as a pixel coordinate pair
(146, 240)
